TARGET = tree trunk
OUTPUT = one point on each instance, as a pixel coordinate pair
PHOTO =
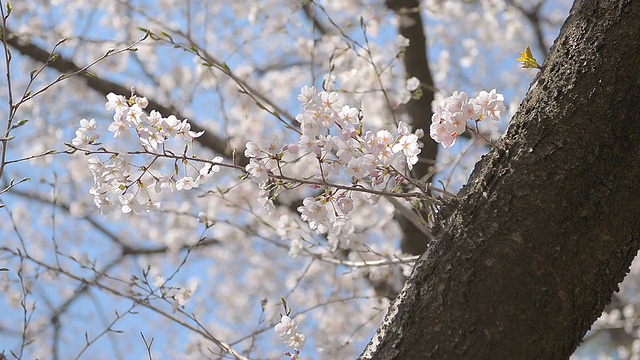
(528, 254)
(410, 25)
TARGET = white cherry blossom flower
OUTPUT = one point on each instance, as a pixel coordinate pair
(142, 102)
(345, 204)
(170, 125)
(257, 171)
(287, 330)
(408, 145)
(184, 294)
(209, 169)
(330, 100)
(130, 204)
(296, 341)
(187, 134)
(117, 103)
(252, 150)
(412, 83)
(307, 94)
(286, 326)
(186, 183)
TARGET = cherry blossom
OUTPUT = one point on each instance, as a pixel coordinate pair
(342, 140)
(186, 183)
(449, 119)
(287, 329)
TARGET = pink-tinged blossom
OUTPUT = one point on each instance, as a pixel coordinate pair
(354, 169)
(471, 110)
(484, 99)
(312, 209)
(403, 129)
(441, 133)
(370, 142)
(456, 125)
(385, 156)
(142, 102)
(95, 165)
(491, 103)
(328, 119)
(379, 179)
(496, 111)
(345, 204)
(453, 104)
(212, 167)
(450, 119)
(326, 142)
(264, 199)
(348, 132)
(292, 148)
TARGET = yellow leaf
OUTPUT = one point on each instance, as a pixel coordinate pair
(527, 59)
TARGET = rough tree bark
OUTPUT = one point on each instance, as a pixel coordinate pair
(532, 248)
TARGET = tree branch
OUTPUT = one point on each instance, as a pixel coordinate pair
(525, 259)
(65, 66)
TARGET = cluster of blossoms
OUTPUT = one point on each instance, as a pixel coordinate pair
(113, 177)
(288, 331)
(450, 119)
(86, 133)
(152, 128)
(334, 134)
